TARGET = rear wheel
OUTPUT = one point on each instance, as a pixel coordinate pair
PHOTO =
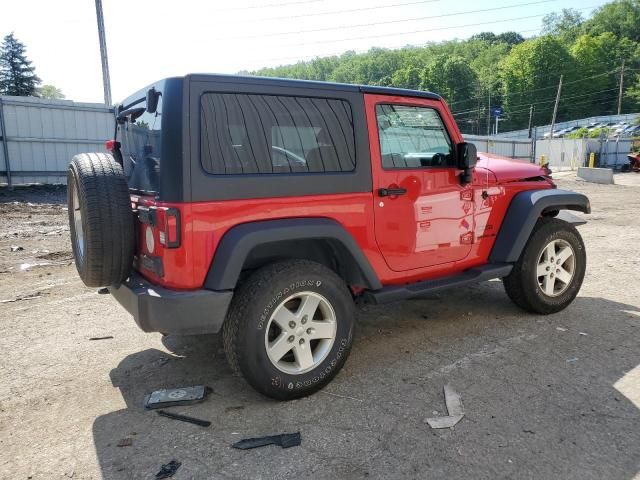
(550, 271)
(100, 219)
(289, 328)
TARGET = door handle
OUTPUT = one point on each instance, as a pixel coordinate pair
(391, 192)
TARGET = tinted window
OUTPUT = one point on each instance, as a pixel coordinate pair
(413, 137)
(141, 144)
(255, 134)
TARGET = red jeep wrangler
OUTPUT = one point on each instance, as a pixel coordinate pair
(266, 208)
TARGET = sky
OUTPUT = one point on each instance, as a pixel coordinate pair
(152, 39)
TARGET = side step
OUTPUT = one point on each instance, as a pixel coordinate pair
(473, 275)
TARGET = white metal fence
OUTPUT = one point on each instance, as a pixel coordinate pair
(512, 148)
(568, 154)
(38, 137)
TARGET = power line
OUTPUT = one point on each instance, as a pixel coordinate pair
(269, 5)
(395, 34)
(387, 22)
(522, 92)
(315, 57)
(337, 12)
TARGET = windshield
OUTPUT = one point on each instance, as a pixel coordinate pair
(140, 137)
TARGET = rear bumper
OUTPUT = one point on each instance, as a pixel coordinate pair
(157, 309)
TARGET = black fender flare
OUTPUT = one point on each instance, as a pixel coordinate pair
(237, 244)
(522, 215)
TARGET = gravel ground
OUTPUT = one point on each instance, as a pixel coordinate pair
(545, 397)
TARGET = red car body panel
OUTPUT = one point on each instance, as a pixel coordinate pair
(438, 228)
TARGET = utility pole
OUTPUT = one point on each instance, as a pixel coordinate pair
(621, 87)
(489, 115)
(531, 110)
(555, 108)
(103, 54)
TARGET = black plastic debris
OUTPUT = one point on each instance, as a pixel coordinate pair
(108, 337)
(184, 418)
(285, 440)
(103, 291)
(168, 470)
(168, 397)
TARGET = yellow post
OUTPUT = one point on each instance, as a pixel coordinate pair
(543, 160)
(592, 160)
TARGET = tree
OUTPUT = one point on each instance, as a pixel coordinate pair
(530, 75)
(408, 77)
(621, 17)
(510, 38)
(17, 75)
(451, 77)
(566, 24)
(50, 91)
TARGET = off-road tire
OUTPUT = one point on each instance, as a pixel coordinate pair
(253, 304)
(104, 248)
(522, 284)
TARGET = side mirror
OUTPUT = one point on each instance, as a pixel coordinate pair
(152, 100)
(467, 159)
(467, 155)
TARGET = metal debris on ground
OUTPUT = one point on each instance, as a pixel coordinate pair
(125, 442)
(285, 440)
(583, 333)
(454, 408)
(16, 248)
(168, 470)
(168, 397)
(571, 360)
(103, 291)
(31, 296)
(184, 418)
(560, 329)
(108, 337)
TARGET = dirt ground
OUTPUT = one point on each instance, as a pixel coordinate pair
(545, 397)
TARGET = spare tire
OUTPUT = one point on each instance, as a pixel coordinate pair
(100, 219)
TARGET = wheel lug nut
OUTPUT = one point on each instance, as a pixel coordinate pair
(291, 338)
(304, 319)
(552, 275)
(302, 341)
(548, 268)
(309, 331)
(292, 324)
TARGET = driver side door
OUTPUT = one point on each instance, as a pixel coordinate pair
(423, 215)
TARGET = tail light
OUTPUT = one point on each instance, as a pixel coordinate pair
(112, 145)
(169, 227)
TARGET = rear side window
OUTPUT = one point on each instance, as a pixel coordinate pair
(413, 137)
(264, 134)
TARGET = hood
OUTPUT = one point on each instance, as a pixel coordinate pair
(509, 170)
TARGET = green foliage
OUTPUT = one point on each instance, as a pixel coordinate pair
(17, 75)
(580, 133)
(566, 24)
(515, 73)
(451, 77)
(50, 91)
(621, 17)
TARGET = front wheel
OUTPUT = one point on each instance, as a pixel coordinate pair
(289, 328)
(551, 268)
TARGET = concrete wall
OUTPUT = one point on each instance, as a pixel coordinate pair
(42, 135)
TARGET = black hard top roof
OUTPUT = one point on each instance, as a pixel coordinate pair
(292, 83)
